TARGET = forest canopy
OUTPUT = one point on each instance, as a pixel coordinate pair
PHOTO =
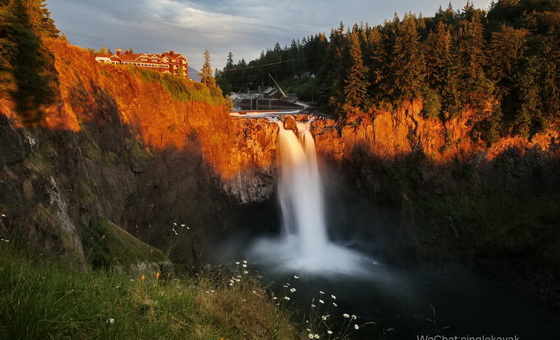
(506, 58)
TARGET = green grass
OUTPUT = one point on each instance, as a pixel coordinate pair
(106, 245)
(52, 299)
(180, 89)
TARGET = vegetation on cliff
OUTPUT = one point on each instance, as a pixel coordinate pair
(455, 61)
(26, 66)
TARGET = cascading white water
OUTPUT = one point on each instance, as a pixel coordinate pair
(299, 191)
(304, 245)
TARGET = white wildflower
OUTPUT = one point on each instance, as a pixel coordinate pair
(245, 272)
(324, 317)
(313, 305)
(274, 298)
(316, 336)
(310, 336)
(286, 298)
(212, 291)
(292, 290)
(110, 321)
(321, 301)
(296, 277)
(174, 223)
(354, 317)
(3, 215)
(356, 327)
(346, 316)
(245, 261)
(321, 292)
(334, 304)
(244, 265)
(182, 225)
(237, 262)
(333, 297)
(329, 332)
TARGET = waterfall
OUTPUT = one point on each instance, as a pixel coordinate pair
(299, 191)
(304, 244)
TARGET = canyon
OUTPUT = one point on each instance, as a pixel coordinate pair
(118, 147)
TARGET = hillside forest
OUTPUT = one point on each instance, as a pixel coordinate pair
(503, 64)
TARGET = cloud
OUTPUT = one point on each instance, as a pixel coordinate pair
(244, 27)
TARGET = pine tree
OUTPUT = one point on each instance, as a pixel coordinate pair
(25, 63)
(371, 56)
(355, 89)
(229, 62)
(382, 77)
(549, 80)
(441, 73)
(472, 62)
(333, 72)
(506, 50)
(207, 77)
(529, 111)
(407, 65)
(47, 23)
(206, 71)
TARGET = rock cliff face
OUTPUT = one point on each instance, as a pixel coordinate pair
(391, 135)
(119, 147)
(253, 152)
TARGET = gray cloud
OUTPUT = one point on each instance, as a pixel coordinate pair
(244, 27)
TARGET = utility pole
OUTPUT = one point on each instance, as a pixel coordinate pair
(278, 86)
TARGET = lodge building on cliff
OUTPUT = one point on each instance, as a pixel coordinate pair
(166, 62)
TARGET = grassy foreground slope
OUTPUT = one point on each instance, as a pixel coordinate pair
(51, 299)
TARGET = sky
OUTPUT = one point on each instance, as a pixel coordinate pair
(243, 27)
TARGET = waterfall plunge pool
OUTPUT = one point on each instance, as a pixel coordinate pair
(387, 302)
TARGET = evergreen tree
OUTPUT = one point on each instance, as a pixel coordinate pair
(507, 48)
(382, 73)
(355, 89)
(333, 73)
(47, 23)
(206, 76)
(372, 57)
(25, 65)
(441, 72)
(549, 79)
(407, 65)
(229, 62)
(472, 62)
(206, 71)
(530, 112)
